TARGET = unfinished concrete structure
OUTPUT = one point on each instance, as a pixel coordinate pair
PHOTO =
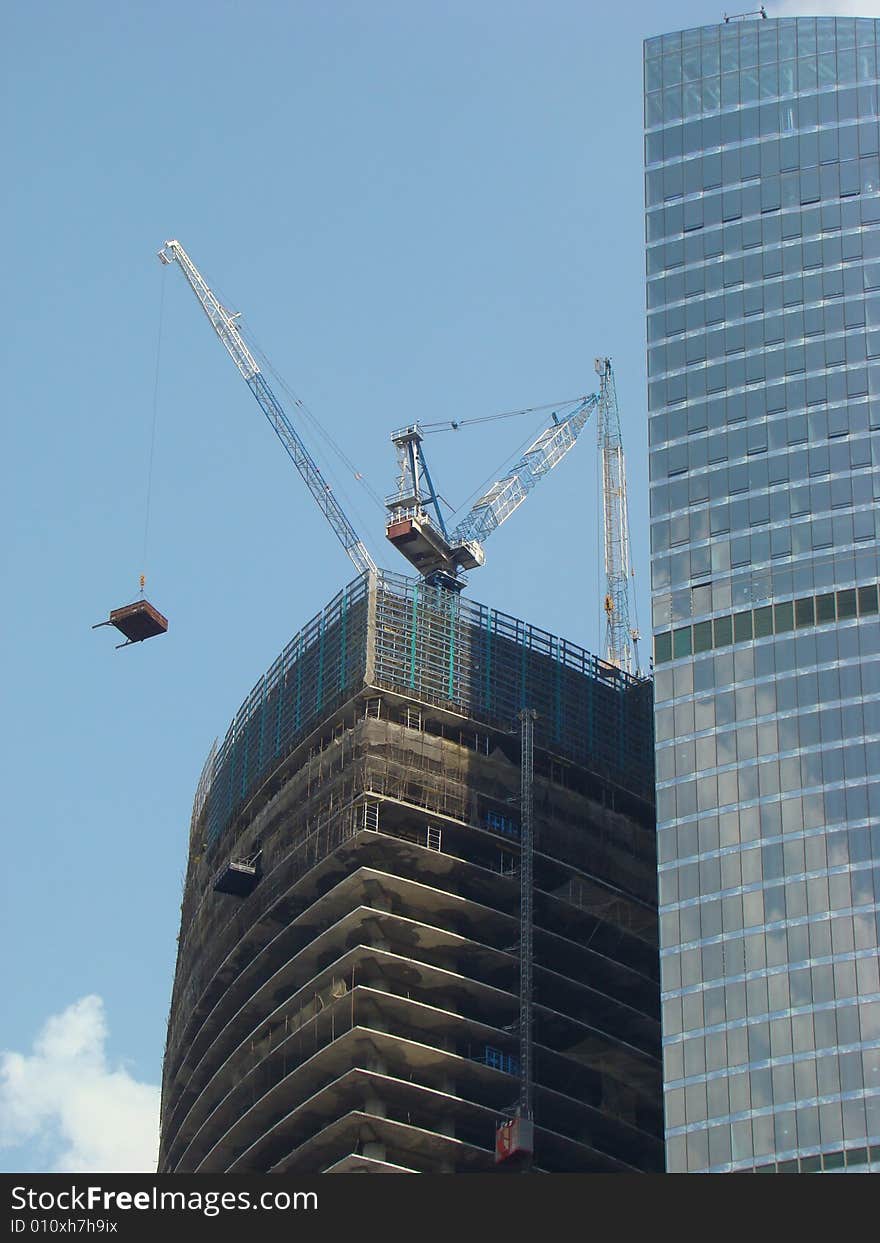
(346, 988)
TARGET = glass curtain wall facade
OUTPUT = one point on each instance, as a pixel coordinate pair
(763, 267)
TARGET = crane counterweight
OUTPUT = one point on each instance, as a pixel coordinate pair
(415, 524)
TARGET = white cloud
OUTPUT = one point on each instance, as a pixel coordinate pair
(823, 8)
(64, 1098)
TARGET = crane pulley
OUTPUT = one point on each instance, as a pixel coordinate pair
(226, 327)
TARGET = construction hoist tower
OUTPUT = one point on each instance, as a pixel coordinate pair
(621, 636)
(515, 1136)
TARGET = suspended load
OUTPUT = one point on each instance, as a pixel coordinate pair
(136, 621)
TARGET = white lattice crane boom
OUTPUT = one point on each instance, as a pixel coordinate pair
(224, 324)
(621, 637)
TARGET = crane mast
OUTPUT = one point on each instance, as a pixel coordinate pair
(224, 324)
(621, 638)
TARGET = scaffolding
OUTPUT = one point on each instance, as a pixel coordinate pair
(394, 850)
(399, 635)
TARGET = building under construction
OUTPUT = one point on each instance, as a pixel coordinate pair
(347, 989)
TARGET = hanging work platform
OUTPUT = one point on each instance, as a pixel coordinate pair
(137, 622)
(238, 877)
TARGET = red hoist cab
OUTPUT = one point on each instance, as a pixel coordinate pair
(514, 1138)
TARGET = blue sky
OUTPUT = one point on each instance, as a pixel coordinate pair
(424, 211)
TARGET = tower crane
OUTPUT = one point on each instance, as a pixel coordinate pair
(415, 521)
(415, 524)
(224, 324)
(621, 638)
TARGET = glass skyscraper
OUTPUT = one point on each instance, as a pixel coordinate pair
(763, 278)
